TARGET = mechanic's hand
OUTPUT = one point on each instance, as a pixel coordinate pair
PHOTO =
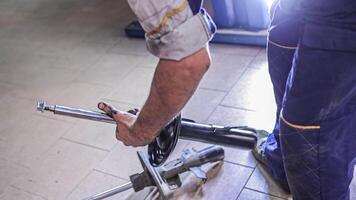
(124, 130)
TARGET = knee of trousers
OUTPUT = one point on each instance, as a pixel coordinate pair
(300, 152)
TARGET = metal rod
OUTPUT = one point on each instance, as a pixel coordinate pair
(110, 192)
(189, 130)
(75, 112)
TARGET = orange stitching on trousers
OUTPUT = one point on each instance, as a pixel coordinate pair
(298, 126)
(167, 16)
(281, 46)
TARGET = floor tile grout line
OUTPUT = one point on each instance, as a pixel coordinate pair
(231, 54)
(222, 99)
(55, 118)
(211, 112)
(28, 192)
(77, 185)
(121, 102)
(22, 97)
(250, 66)
(94, 84)
(243, 72)
(213, 89)
(83, 144)
(93, 169)
(86, 176)
(227, 93)
(135, 66)
(237, 108)
(12, 83)
(114, 145)
(239, 164)
(256, 68)
(87, 66)
(126, 54)
(272, 195)
(233, 85)
(254, 57)
(57, 140)
(113, 92)
(109, 174)
(100, 58)
(245, 183)
(240, 77)
(15, 163)
(112, 50)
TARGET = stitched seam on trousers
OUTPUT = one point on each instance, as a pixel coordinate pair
(280, 45)
(203, 22)
(298, 126)
(319, 171)
(166, 17)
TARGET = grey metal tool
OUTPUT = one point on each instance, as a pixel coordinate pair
(166, 177)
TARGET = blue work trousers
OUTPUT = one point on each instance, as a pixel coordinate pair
(313, 70)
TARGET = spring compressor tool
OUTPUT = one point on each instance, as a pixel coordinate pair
(161, 147)
(166, 177)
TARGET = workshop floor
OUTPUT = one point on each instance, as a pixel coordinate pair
(75, 53)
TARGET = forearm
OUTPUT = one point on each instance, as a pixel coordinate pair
(173, 84)
(176, 33)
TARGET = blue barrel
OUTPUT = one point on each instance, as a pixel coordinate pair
(224, 14)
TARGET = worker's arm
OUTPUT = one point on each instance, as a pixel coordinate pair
(173, 84)
(177, 32)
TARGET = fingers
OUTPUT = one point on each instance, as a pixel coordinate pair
(119, 116)
(134, 111)
(112, 112)
(117, 134)
(108, 109)
(127, 140)
(124, 120)
(121, 137)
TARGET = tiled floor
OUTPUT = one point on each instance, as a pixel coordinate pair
(74, 52)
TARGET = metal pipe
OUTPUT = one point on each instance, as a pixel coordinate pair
(111, 192)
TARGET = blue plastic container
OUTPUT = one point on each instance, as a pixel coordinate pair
(240, 9)
(251, 14)
(224, 13)
(257, 14)
(246, 14)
